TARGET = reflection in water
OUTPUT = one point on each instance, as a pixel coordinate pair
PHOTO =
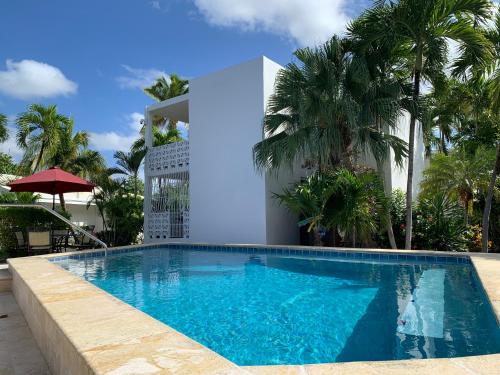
(258, 309)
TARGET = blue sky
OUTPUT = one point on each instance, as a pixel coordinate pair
(92, 57)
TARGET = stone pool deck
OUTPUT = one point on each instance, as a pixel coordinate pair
(81, 329)
(19, 353)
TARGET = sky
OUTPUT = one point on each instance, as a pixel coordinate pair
(92, 58)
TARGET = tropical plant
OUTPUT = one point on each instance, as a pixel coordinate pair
(164, 89)
(353, 203)
(460, 175)
(423, 27)
(439, 224)
(129, 164)
(107, 189)
(308, 200)
(7, 165)
(121, 212)
(39, 134)
(357, 204)
(4, 135)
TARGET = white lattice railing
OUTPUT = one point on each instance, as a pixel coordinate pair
(170, 158)
(166, 204)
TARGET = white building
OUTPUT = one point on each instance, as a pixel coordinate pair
(206, 189)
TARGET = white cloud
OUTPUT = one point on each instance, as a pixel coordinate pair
(139, 78)
(114, 141)
(155, 5)
(29, 79)
(306, 22)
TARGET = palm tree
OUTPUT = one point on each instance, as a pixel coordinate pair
(459, 175)
(159, 138)
(109, 188)
(39, 134)
(73, 156)
(494, 86)
(330, 108)
(164, 90)
(423, 27)
(129, 163)
(323, 111)
(3, 128)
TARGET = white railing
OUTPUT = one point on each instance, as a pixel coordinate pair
(165, 159)
(74, 226)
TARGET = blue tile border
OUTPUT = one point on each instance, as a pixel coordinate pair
(281, 251)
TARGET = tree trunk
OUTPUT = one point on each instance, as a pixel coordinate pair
(390, 231)
(39, 158)
(172, 124)
(135, 187)
(354, 237)
(489, 200)
(317, 237)
(411, 148)
(466, 211)
(62, 202)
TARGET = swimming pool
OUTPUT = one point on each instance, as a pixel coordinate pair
(261, 309)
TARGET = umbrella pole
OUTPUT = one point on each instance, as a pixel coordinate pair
(53, 202)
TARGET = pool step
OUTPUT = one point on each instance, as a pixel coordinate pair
(424, 313)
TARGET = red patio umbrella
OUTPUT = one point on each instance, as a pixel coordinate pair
(51, 181)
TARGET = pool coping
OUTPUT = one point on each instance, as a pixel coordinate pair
(60, 310)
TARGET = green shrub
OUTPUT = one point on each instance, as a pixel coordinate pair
(439, 225)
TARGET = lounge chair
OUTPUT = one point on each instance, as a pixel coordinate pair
(39, 242)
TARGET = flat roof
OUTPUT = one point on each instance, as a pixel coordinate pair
(177, 108)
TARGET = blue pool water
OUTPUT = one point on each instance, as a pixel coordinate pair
(268, 309)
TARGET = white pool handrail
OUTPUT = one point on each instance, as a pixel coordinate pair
(59, 216)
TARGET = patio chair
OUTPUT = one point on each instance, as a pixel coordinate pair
(84, 242)
(39, 242)
(60, 239)
(20, 241)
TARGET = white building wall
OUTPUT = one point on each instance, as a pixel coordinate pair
(281, 224)
(228, 199)
(399, 175)
(395, 176)
(82, 216)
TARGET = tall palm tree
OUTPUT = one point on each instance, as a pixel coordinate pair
(73, 156)
(162, 90)
(39, 132)
(494, 86)
(331, 107)
(130, 163)
(3, 128)
(423, 27)
(322, 111)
